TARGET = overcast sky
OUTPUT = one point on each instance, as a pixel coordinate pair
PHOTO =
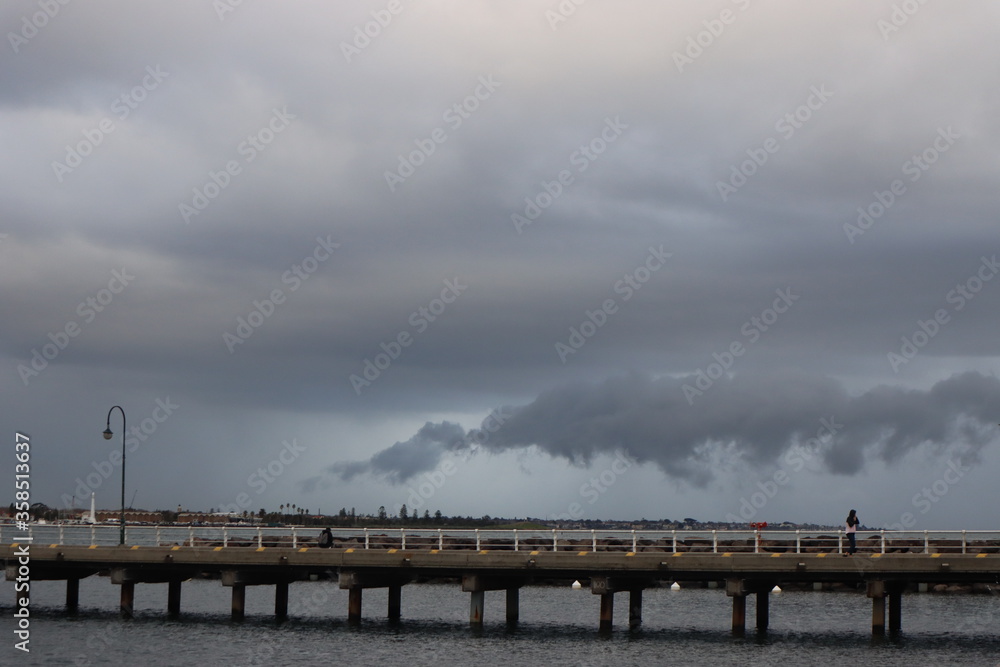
(731, 259)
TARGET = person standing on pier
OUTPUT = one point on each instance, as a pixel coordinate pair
(852, 529)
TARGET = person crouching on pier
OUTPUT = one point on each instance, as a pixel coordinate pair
(852, 529)
(325, 539)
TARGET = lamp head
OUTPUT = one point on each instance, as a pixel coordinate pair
(108, 433)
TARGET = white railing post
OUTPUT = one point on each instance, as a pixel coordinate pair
(440, 540)
(634, 549)
(715, 541)
(674, 531)
(260, 537)
(295, 538)
(515, 539)
(593, 540)
(927, 543)
(61, 538)
(883, 540)
(840, 541)
(157, 535)
(402, 538)
(963, 541)
(191, 536)
(798, 540)
(93, 534)
(366, 538)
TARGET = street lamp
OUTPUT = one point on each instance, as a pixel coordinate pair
(107, 436)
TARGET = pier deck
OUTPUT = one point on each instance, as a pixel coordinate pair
(884, 575)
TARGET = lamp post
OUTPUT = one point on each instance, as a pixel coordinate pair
(107, 436)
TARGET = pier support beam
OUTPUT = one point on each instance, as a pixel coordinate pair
(763, 600)
(354, 582)
(240, 579)
(878, 591)
(607, 612)
(174, 598)
(72, 595)
(739, 614)
(395, 602)
(606, 587)
(127, 599)
(281, 600)
(239, 601)
(513, 604)
(895, 607)
(354, 605)
(477, 601)
(477, 585)
(635, 608)
(739, 589)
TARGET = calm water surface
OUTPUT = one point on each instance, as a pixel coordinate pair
(558, 626)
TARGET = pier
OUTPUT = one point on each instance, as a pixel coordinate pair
(609, 565)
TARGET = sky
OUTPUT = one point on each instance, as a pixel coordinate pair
(730, 260)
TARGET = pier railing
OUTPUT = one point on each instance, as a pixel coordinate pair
(635, 541)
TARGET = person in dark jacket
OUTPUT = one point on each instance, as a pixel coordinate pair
(325, 539)
(851, 530)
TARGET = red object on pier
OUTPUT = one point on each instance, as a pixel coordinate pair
(757, 525)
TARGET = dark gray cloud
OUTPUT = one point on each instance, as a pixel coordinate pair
(753, 420)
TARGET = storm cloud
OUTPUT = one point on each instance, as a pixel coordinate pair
(747, 420)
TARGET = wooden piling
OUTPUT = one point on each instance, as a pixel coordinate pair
(895, 607)
(763, 602)
(477, 602)
(395, 602)
(354, 605)
(127, 598)
(634, 608)
(239, 601)
(174, 597)
(739, 614)
(607, 612)
(513, 604)
(281, 601)
(72, 595)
